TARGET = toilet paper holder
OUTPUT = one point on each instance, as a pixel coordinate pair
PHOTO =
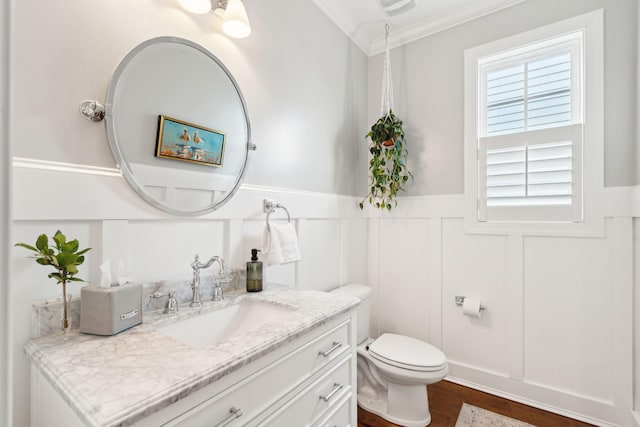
(460, 301)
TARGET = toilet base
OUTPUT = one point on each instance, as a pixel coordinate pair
(395, 402)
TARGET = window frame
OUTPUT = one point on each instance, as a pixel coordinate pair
(590, 221)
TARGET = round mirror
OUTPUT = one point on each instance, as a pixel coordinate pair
(177, 125)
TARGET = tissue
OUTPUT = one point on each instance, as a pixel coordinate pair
(122, 274)
(105, 274)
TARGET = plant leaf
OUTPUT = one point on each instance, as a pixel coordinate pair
(59, 239)
(24, 245)
(42, 243)
(71, 246)
(84, 251)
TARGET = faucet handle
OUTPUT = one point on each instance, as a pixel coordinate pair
(171, 306)
(218, 292)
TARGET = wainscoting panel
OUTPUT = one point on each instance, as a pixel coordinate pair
(353, 249)
(475, 266)
(568, 314)
(163, 250)
(320, 243)
(253, 237)
(404, 277)
(556, 332)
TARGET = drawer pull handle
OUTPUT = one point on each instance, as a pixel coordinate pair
(336, 345)
(336, 388)
(235, 413)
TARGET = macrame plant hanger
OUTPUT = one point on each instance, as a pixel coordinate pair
(386, 103)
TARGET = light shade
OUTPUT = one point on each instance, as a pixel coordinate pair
(236, 22)
(199, 7)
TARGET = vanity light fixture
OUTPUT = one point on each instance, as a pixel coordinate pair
(235, 22)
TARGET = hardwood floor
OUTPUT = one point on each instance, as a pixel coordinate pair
(446, 398)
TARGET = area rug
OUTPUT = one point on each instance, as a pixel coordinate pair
(472, 416)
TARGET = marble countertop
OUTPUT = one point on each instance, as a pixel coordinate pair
(118, 380)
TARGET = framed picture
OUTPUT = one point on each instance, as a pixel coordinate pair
(179, 140)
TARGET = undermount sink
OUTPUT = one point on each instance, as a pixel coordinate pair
(221, 324)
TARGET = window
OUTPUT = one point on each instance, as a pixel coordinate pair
(530, 132)
(525, 126)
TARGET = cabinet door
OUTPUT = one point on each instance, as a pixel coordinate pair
(47, 406)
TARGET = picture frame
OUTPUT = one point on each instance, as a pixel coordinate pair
(188, 142)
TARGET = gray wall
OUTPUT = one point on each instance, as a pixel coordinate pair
(304, 82)
(429, 89)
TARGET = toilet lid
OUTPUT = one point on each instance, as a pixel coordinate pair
(406, 352)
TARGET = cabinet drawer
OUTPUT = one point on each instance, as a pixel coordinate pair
(231, 410)
(318, 353)
(315, 401)
(339, 416)
(261, 390)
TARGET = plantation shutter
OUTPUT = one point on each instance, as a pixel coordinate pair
(530, 149)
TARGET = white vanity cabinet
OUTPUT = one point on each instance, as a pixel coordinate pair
(308, 381)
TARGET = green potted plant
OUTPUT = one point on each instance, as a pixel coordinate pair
(388, 162)
(65, 257)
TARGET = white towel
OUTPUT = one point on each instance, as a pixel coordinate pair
(281, 243)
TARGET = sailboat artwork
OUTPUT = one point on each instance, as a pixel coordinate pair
(180, 140)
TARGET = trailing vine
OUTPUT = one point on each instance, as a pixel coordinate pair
(388, 162)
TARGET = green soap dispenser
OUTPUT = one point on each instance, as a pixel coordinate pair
(254, 273)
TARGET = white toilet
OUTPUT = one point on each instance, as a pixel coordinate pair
(393, 370)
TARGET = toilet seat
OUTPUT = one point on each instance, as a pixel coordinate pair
(407, 353)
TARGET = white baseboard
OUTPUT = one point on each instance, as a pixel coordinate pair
(568, 405)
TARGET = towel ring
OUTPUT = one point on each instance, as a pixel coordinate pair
(273, 210)
(270, 206)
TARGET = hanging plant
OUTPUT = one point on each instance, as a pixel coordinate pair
(388, 162)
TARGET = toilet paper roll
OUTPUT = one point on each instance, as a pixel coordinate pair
(471, 307)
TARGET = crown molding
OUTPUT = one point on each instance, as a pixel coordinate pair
(407, 34)
(429, 27)
(346, 23)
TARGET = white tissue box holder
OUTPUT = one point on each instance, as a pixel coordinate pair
(107, 311)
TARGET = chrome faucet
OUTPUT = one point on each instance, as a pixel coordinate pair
(196, 265)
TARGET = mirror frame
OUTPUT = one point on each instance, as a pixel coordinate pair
(121, 162)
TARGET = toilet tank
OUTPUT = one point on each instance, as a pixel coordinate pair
(363, 293)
